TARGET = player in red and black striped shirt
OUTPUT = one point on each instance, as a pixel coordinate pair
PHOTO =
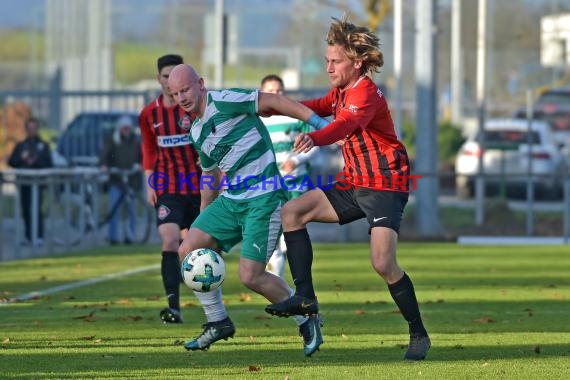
(170, 165)
(373, 184)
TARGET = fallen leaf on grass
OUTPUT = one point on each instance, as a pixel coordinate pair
(252, 338)
(88, 318)
(124, 301)
(485, 320)
(254, 368)
(377, 302)
(6, 341)
(484, 364)
(189, 304)
(245, 297)
(344, 336)
(97, 341)
(359, 312)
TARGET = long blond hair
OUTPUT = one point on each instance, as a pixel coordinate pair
(358, 42)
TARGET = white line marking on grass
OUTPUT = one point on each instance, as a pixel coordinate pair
(510, 240)
(78, 284)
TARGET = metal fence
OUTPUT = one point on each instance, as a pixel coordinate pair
(73, 200)
(57, 107)
(527, 216)
(66, 196)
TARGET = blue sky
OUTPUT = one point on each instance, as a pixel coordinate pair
(30, 14)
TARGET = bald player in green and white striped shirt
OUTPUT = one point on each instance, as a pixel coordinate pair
(232, 141)
(293, 166)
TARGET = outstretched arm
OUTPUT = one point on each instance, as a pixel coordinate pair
(274, 104)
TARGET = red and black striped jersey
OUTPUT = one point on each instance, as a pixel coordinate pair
(167, 148)
(373, 155)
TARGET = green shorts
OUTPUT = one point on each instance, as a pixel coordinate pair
(256, 223)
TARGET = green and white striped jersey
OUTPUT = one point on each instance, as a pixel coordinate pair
(232, 137)
(283, 130)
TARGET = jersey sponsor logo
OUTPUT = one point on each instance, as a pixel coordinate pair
(163, 212)
(185, 123)
(352, 108)
(173, 140)
(220, 152)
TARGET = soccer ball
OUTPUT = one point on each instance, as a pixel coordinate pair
(203, 270)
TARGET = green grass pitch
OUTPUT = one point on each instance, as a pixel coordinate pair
(492, 312)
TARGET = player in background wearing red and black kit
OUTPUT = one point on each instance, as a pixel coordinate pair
(172, 173)
(375, 178)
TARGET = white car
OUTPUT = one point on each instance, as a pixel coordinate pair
(505, 158)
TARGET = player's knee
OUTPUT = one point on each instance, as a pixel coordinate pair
(384, 264)
(170, 243)
(249, 279)
(290, 215)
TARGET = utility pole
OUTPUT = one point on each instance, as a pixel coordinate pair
(456, 64)
(219, 43)
(481, 108)
(427, 218)
(398, 65)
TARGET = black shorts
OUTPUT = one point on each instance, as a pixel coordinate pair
(380, 207)
(177, 208)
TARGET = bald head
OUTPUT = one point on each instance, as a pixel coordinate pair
(187, 88)
(183, 73)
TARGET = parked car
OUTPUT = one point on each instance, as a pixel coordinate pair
(81, 142)
(553, 106)
(505, 158)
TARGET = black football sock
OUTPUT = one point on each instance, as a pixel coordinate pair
(404, 295)
(300, 258)
(171, 277)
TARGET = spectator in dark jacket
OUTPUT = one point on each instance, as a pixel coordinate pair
(31, 153)
(122, 152)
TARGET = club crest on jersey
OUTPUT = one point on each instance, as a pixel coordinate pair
(185, 122)
(163, 212)
(352, 108)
